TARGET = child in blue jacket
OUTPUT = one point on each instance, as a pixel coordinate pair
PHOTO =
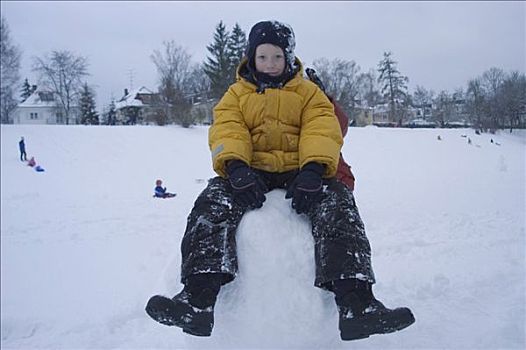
(160, 191)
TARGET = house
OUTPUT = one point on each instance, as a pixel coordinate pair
(363, 115)
(382, 114)
(142, 106)
(202, 111)
(41, 107)
(137, 106)
(424, 111)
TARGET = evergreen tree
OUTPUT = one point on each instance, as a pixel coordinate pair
(237, 46)
(111, 115)
(88, 114)
(218, 66)
(26, 91)
(394, 88)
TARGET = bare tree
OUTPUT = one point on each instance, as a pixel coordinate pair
(444, 108)
(476, 102)
(492, 81)
(513, 93)
(172, 63)
(342, 81)
(62, 73)
(175, 70)
(199, 83)
(423, 100)
(368, 87)
(9, 72)
(496, 100)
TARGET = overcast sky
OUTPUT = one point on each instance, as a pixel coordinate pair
(439, 45)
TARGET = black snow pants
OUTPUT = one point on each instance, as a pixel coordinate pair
(341, 246)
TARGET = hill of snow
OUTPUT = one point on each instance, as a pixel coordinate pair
(84, 244)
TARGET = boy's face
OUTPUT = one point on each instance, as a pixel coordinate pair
(270, 59)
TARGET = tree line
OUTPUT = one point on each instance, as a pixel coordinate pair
(496, 99)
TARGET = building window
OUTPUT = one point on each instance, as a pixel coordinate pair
(33, 115)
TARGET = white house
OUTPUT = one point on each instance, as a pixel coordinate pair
(142, 106)
(137, 106)
(41, 108)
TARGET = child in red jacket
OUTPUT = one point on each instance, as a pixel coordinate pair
(344, 173)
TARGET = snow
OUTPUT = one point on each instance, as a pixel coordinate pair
(84, 244)
(34, 100)
(130, 99)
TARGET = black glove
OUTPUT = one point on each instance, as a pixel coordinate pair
(248, 188)
(306, 187)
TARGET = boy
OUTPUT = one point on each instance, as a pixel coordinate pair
(160, 191)
(275, 130)
(22, 148)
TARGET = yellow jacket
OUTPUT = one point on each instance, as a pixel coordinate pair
(275, 131)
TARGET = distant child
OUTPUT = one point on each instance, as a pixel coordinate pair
(22, 147)
(33, 164)
(160, 191)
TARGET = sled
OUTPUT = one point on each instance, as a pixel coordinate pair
(166, 195)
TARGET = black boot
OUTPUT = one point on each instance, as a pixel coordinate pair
(362, 315)
(192, 309)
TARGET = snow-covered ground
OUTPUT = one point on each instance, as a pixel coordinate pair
(84, 244)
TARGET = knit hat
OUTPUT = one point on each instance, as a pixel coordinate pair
(275, 33)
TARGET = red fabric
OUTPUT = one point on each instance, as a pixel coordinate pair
(344, 172)
(342, 117)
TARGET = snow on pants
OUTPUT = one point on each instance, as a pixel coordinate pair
(341, 246)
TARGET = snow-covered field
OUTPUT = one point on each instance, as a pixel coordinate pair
(84, 244)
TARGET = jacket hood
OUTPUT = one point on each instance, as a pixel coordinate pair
(275, 33)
